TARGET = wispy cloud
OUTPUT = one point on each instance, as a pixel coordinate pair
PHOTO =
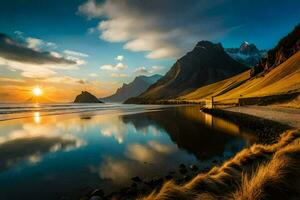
(119, 58)
(75, 53)
(119, 66)
(148, 70)
(118, 75)
(164, 29)
(93, 75)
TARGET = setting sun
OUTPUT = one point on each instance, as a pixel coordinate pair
(37, 91)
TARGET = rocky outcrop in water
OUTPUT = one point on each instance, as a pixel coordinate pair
(86, 97)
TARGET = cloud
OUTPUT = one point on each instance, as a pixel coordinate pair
(119, 58)
(164, 29)
(37, 44)
(13, 80)
(118, 75)
(117, 67)
(64, 79)
(34, 43)
(12, 50)
(148, 70)
(93, 75)
(31, 61)
(75, 53)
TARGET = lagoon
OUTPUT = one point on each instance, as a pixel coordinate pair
(55, 151)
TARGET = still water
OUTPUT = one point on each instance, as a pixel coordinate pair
(47, 155)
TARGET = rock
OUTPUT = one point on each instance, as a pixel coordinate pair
(182, 166)
(64, 198)
(186, 178)
(183, 170)
(136, 179)
(97, 192)
(168, 177)
(206, 169)
(154, 182)
(134, 185)
(194, 168)
(214, 161)
(86, 97)
(96, 198)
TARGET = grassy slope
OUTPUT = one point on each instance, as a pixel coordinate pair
(256, 173)
(282, 79)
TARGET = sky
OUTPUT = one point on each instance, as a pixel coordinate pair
(66, 46)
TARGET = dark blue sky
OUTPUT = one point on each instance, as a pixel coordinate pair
(150, 35)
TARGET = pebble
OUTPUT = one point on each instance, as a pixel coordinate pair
(96, 198)
(97, 192)
(183, 170)
(136, 179)
(194, 168)
(168, 177)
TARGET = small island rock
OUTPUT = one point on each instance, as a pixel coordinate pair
(86, 97)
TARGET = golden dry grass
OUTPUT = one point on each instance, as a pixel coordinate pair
(256, 173)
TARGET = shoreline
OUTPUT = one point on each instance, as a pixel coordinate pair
(260, 171)
(268, 131)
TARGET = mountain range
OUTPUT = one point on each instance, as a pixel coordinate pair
(205, 64)
(278, 73)
(208, 71)
(132, 89)
(247, 54)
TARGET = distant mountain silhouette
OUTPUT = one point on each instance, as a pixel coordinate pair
(247, 54)
(205, 64)
(286, 47)
(86, 97)
(135, 88)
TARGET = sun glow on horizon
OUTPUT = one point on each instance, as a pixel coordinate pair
(37, 91)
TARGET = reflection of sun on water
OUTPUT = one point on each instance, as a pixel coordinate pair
(208, 120)
(37, 117)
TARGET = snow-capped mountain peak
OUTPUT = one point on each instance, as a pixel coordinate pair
(247, 54)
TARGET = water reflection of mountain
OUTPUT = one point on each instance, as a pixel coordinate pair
(196, 132)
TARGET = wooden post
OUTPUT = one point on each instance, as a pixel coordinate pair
(212, 102)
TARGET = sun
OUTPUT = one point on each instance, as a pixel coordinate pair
(37, 91)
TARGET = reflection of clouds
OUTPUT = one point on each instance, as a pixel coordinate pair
(140, 152)
(118, 170)
(151, 152)
(32, 150)
(140, 159)
(35, 158)
(162, 148)
(30, 130)
(32, 140)
(114, 127)
(114, 131)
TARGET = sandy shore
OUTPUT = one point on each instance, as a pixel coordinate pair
(288, 116)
